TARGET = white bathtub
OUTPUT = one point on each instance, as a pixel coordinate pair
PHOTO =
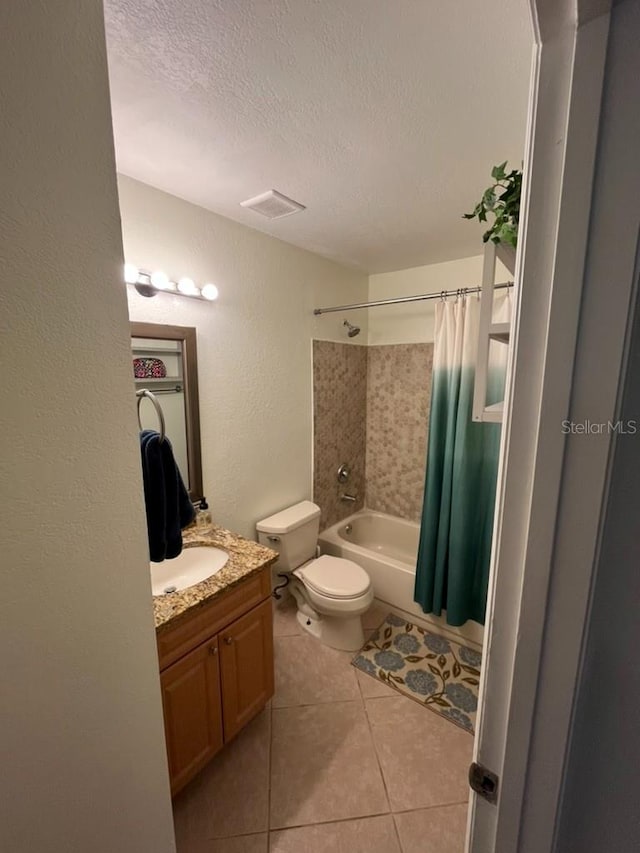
(387, 549)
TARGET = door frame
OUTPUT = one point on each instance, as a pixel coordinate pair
(542, 508)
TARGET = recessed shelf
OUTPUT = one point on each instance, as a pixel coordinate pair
(489, 331)
(500, 332)
(493, 414)
(154, 380)
(507, 255)
(162, 350)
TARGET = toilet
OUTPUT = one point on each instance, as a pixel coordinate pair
(331, 593)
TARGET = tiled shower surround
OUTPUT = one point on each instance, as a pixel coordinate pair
(398, 398)
(371, 410)
(339, 426)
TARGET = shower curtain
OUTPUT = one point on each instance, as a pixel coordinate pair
(452, 572)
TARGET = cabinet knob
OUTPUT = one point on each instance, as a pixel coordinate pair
(228, 640)
(213, 650)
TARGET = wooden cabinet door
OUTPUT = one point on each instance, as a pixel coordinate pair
(192, 712)
(246, 661)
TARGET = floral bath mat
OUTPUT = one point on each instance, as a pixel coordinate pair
(433, 670)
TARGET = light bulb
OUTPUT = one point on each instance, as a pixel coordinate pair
(187, 286)
(210, 292)
(131, 273)
(160, 280)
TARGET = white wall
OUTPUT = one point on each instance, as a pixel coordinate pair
(254, 343)
(81, 739)
(413, 322)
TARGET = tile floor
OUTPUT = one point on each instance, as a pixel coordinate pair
(337, 762)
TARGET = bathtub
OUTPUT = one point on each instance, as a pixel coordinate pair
(387, 549)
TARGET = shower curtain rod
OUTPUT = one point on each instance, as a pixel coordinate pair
(442, 294)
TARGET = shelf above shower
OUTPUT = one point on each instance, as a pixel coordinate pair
(493, 414)
(500, 332)
(507, 256)
(489, 331)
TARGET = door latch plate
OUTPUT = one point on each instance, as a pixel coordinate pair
(484, 782)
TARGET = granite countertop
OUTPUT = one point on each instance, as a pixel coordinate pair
(245, 559)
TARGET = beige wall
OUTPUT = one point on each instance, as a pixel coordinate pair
(413, 322)
(254, 344)
(81, 739)
(254, 349)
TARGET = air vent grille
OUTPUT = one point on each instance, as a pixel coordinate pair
(273, 205)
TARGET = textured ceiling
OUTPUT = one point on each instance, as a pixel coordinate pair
(383, 118)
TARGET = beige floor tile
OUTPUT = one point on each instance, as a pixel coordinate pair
(371, 687)
(438, 830)
(323, 765)
(308, 672)
(424, 758)
(285, 623)
(238, 844)
(367, 835)
(231, 795)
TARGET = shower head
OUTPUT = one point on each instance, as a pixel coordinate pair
(352, 331)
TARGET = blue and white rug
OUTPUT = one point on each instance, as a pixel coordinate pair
(427, 667)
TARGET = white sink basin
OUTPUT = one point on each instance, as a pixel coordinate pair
(192, 566)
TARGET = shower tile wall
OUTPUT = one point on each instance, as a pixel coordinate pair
(339, 422)
(398, 399)
(371, 409)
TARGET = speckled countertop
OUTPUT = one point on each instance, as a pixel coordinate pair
(245, 559)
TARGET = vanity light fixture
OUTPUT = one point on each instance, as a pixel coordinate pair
(151, 283)
(210, 292)
(131, 273)
(187, 286)
(160, 280)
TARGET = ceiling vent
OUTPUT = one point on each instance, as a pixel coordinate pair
(273, 205)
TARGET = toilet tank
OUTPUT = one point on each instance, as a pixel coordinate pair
(293, 533)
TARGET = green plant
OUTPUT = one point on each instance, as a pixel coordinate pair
(502, 199)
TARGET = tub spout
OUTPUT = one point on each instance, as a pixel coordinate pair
(349, 498)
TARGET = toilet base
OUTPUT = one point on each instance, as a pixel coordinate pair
(345, 634)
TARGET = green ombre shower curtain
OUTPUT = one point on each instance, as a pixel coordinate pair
(452, 572)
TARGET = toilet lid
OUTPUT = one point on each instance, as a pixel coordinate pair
(335, 577)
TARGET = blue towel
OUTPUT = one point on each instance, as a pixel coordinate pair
(166, 499)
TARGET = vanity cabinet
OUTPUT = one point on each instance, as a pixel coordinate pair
(216, 674)
(246, 662)
(192, 709)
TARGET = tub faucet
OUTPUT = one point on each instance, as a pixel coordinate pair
(348, 498)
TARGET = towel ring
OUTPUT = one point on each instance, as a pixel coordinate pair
(156, 405)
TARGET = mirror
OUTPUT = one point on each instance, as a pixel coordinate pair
(165, 362)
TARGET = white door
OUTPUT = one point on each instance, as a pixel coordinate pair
(551, 487)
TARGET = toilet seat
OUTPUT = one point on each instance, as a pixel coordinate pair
(334, 578)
